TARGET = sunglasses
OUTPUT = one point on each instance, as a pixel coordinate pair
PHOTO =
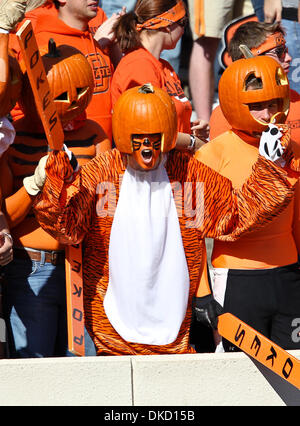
(279, 51)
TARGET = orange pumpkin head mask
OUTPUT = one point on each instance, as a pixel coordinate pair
(234, 98)
(144, 124)
(70, 79)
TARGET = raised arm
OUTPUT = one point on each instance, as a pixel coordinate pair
(65, 208)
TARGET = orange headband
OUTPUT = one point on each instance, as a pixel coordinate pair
(274, 40)
(165, 19)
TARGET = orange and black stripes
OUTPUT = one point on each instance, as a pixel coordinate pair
(71, 214)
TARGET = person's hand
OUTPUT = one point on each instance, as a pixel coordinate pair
(34, 184)
(200, 129)
(272, 10)
(11, 12)
(270, 146)
(105, 33)
(6, 248)
(207, 310)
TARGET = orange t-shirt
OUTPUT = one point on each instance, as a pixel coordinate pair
(139, 67)
(271, 246)
(48, 25)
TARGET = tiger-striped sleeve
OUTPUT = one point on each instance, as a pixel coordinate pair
(221, 212)
(229, 213)
(67, 210)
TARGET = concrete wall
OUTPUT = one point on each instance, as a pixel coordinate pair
(167, 380)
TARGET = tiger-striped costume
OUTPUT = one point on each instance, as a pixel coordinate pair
(69, 212)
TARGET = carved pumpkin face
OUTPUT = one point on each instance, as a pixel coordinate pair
(234, 98)
(70, 78)
(144, 116)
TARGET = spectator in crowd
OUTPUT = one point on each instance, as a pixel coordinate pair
(207, 22)
(269, 40)
(287, 13)
(70, 25)
(111, 7)
(142, 35)
(256, 277)
(100, 26)
(35, 292)
(142, 255)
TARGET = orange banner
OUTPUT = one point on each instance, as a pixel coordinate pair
(74, 291)
(40, 87)
(260, 348)
(55, 137)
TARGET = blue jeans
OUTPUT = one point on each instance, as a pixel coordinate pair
(115, 6)
(292, 29)
(35, 310)
(258, 6)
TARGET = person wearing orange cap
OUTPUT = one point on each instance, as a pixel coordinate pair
(257, 277)
(143, 242)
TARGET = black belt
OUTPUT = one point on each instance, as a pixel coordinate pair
(54, 257)
(290, 13)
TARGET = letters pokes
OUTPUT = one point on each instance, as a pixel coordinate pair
(55, 137)
(260, 348)
(75, 299)
(40, 87)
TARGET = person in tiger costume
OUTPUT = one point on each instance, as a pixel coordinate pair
(143, 244)
(34, 294)
(257, 277)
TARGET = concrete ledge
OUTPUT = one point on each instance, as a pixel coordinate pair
(232, 379)
(208, 379)
(66, 381)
